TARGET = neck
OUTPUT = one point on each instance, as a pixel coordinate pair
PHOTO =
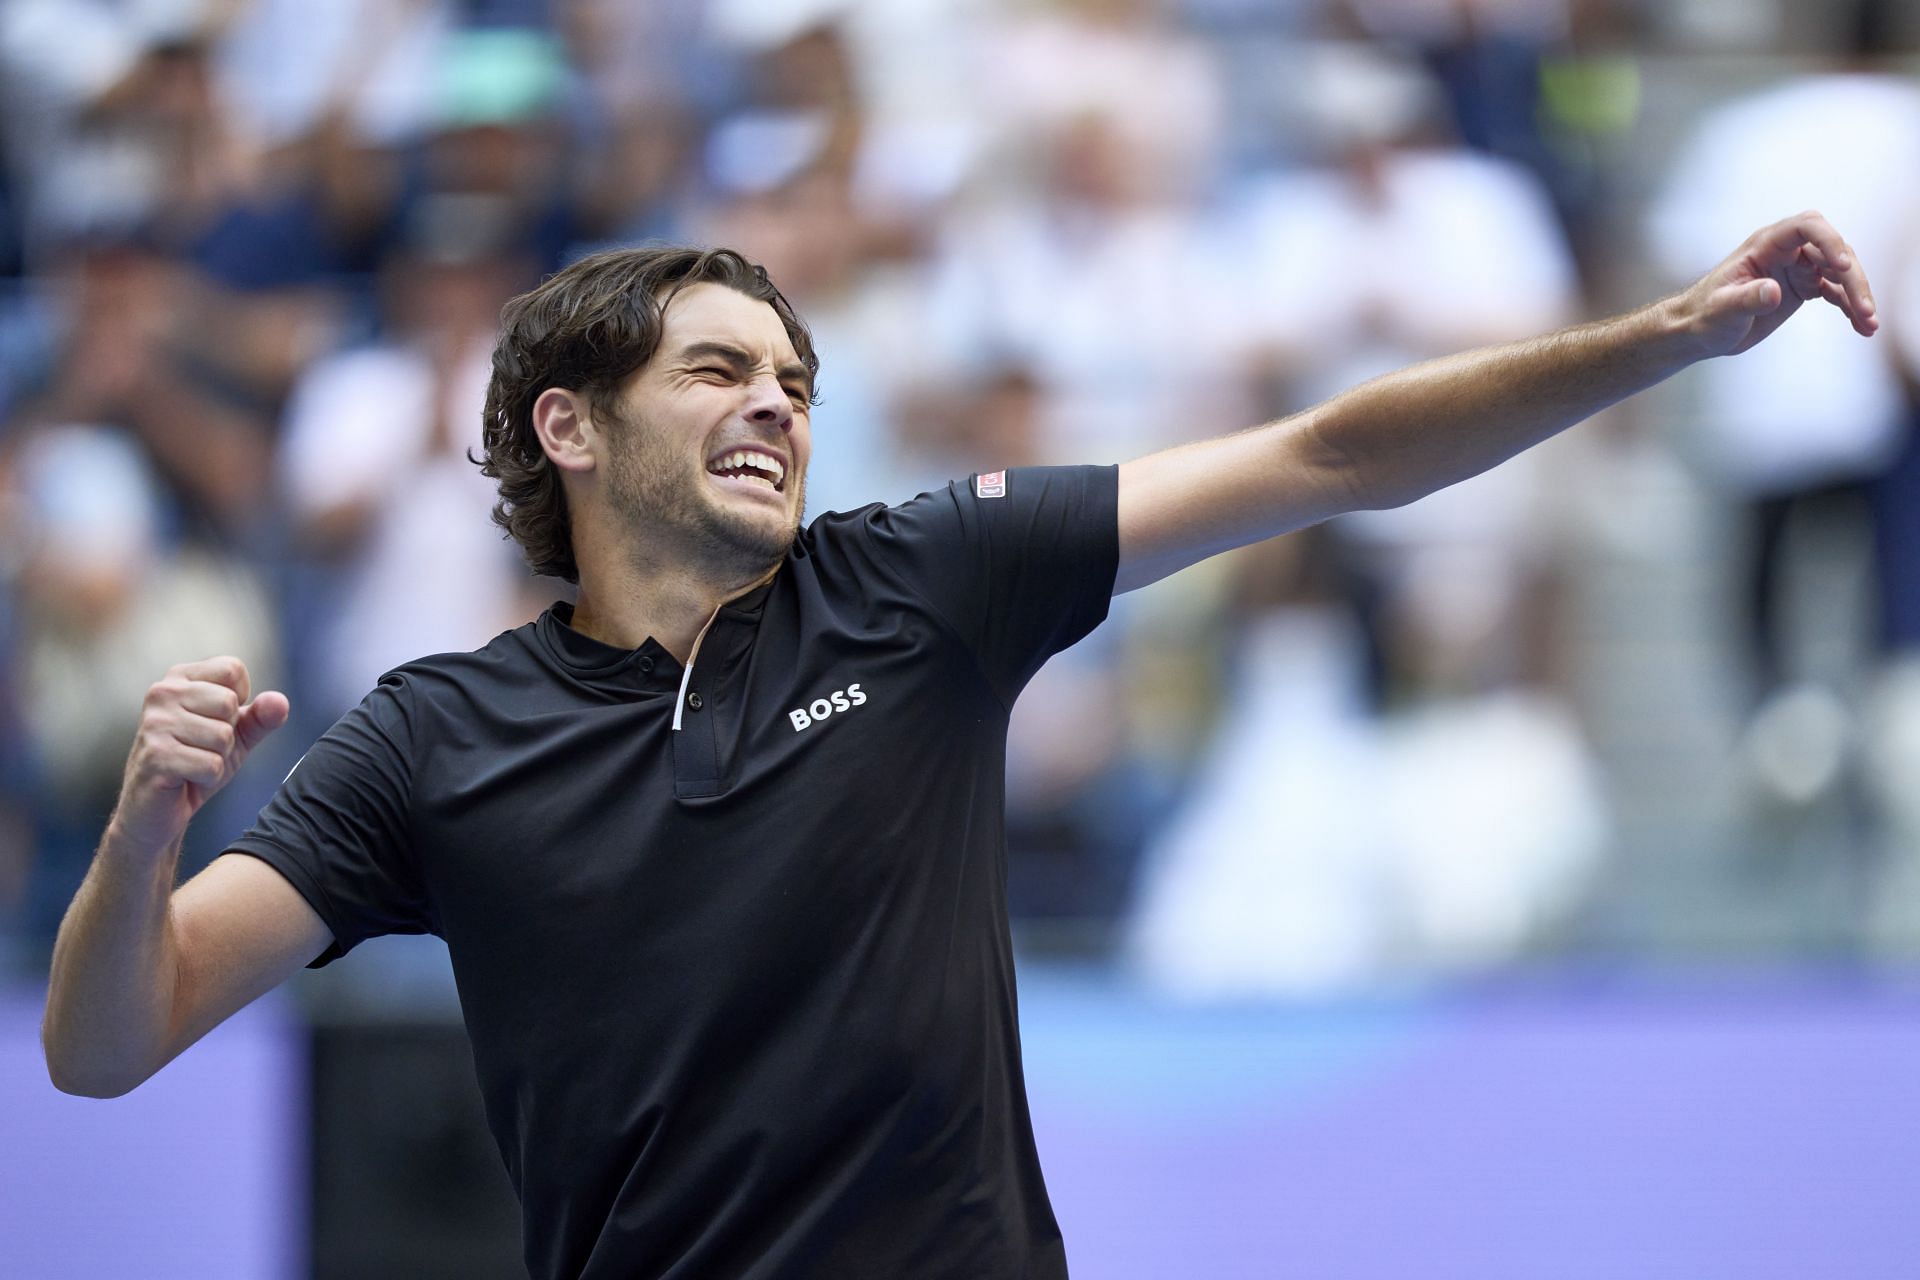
(622, 604)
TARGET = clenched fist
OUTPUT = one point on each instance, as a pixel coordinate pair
(196, 728)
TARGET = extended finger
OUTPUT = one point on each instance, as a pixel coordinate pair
(1849, 291)
(1810, 228)
(1842, 266)
(228, 671)
(1832, 292)
(1864, 310)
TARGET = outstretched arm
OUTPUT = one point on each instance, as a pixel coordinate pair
(1402, 436)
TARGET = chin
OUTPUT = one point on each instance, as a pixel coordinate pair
(756, 541)
(763, 529)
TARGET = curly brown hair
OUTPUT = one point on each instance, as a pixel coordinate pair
(588, 329)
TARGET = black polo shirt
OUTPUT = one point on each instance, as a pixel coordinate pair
(741, 994)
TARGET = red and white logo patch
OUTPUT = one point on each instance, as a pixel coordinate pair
(990, 484)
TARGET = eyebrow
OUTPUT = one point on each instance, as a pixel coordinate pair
(727, 353)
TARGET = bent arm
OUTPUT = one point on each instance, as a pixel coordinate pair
(1402, 436)
(110, 996)
(141, 970)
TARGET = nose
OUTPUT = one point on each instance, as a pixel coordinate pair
(767, 403)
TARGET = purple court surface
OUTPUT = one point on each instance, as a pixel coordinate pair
(1563, 1127)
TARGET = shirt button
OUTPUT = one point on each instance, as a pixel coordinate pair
(693, 701)
(646, 666)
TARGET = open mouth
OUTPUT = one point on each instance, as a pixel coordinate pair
(751, 464)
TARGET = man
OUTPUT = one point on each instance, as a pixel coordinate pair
(716, 852)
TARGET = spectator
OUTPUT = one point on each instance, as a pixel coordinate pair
(1798, 440)
(124, 360)
(375, 471)
(1444, 593)
(103, 605)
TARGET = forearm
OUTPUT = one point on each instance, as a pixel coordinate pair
(110, 999)
(1402, 436)
(1408, 433)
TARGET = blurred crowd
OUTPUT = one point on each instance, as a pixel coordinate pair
(252, 253)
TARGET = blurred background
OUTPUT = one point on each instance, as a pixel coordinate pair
(1524, 882)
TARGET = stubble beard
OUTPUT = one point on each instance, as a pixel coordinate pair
(657, 489)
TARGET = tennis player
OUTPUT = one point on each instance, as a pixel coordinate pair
(717, 851)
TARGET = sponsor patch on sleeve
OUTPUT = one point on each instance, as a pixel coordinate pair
(990, 484)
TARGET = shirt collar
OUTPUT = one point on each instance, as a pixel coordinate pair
(595, 659)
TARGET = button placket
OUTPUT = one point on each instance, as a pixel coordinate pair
(696, 757)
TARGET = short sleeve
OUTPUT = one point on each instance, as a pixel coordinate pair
(338, 828)
(1019, 563)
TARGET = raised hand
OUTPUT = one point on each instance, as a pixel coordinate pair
(1765, 280)
(196, 728)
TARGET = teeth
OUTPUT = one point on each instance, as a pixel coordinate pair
(752, 458)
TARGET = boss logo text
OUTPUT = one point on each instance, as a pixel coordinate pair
(820, 708)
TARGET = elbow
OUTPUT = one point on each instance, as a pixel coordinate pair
(81, 1083)
(91, 1090)
(72, 1074)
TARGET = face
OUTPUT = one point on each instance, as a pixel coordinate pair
(710, 457)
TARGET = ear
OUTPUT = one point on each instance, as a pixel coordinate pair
(566, 430)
